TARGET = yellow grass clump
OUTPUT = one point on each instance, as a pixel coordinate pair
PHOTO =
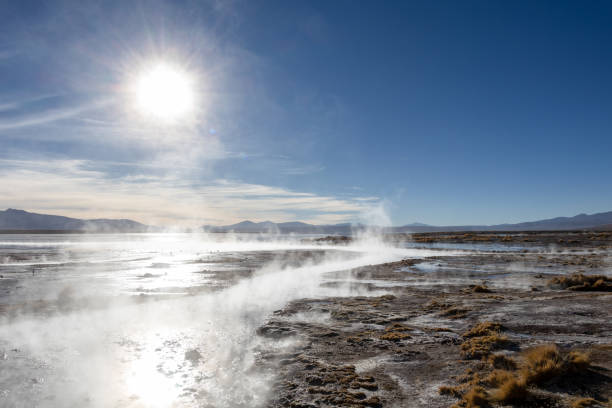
(537, 366)
(511, 390)
(476, 398)
(454, 313)
(545, 363)
(581, 282)
(482, 339)
(498, 377)
(483, 329)
(397, 327)
(585, 403)
(395, 336)
(478, 347)
(396, 332)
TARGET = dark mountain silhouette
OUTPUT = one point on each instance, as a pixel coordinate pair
(12, 219)
(578, 222)
(19, 220)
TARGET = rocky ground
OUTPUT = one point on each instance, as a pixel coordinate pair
(501, 328)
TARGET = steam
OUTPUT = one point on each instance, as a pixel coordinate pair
(195, 350)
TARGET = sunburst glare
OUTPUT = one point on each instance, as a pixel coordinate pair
(165, 92)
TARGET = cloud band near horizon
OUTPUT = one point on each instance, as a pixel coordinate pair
(77, 189)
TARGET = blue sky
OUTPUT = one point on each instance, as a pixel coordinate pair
(475, 112)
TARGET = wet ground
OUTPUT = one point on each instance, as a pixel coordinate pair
(398, 349)
(169, 321)
(152, 320)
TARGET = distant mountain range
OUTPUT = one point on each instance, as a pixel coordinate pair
(12, 219)
(19, 220)
(579, 222)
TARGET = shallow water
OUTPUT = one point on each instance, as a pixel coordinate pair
(481, 247)
(152, 320)
(112, 265)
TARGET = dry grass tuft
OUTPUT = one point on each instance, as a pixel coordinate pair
(397, 327)
(475, 398)
(580, 282)
(482, 339)
(506, 387)
(469, 391)
(483, 329)
(578, 361)
(480, 289)
(479, 347)
(395, 336)
(545, 363)
(452, 391)
(585, 403)
(498, 377)
(510, 390)
(396, 332)
(454, 313)
(502, 362)
(542, 365)
(440, 329)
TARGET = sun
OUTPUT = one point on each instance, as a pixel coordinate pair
(165, 92)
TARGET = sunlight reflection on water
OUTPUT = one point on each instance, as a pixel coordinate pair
(196, 350)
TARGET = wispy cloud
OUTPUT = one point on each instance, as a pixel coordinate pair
(45, 116)
(7, 106)
(72, 187)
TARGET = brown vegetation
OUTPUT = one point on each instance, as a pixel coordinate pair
(498, 378)
(478, 347)
(546, 363)
(396, 332)
(477, 289)
(585, 403)
(500, 361)
(452, 391)
(580, 282)
(482, 339)
(483, 329)
(436, 304)
(454, 313)
(480, 289)
(475, 398)
(511, 390)
(510, 380)
(397, 327)
(395, 336)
